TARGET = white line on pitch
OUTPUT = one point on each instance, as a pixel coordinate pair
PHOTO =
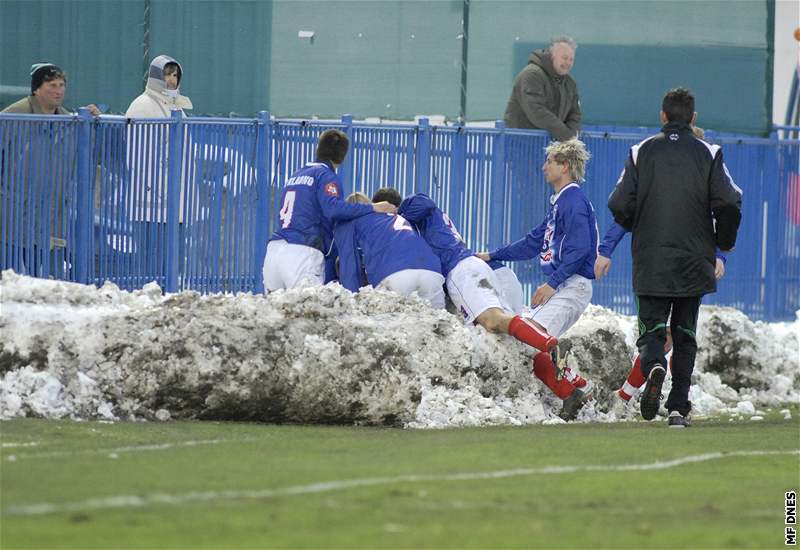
(127, 449)
(133, 501)
(12, 444)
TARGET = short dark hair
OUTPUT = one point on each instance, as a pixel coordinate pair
(333, 145)
(392, 196)
(678, 105)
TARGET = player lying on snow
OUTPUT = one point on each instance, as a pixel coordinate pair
(385, 252)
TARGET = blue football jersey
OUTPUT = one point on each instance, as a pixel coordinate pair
(566, 241)
(437, 230)
(611, 239)
(310, 204)
(381, 244)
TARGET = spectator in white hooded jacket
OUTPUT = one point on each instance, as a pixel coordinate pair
(148, 160)
(148, 154)
(162, 94)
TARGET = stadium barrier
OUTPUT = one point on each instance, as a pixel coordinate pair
(188, 202)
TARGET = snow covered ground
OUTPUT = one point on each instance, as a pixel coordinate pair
(327, 356)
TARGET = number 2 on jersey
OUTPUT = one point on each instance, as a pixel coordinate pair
(401, 224)
(287, 209)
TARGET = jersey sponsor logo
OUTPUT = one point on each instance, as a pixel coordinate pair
(331, 189)
(546, 253)
(449, 223)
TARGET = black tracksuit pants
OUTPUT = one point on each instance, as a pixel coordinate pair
(654, 312)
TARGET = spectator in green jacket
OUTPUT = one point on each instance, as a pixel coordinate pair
(544, 95)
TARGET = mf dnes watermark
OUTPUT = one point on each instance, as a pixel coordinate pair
(790, 518)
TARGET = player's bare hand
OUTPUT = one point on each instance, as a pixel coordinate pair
(483, 256)
(543, 293)
(601, 267)
(719, 269)
(384, 207)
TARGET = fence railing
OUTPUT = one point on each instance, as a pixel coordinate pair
(188, 202)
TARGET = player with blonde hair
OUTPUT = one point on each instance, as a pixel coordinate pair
(566, 246)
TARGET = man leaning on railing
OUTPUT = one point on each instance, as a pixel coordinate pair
(33, 196)
(48, 88)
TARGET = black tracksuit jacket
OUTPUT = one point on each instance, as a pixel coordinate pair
(680, 203)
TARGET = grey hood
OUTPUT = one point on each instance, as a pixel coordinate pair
(156, 84)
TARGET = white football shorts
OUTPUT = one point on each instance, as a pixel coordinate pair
(512, 289)
(565, 307)
(289, 265)
(426, 283)
(474, 288)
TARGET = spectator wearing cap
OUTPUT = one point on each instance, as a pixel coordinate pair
(34, 193)
(48, 88)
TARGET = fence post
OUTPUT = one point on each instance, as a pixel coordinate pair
(775, 228)
(458, 174)
(422, 157)
(346, 169)
(498, 198)
(173, 199)
(263, 179)
(85, 190)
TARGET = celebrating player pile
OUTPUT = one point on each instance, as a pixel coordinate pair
(418, 249)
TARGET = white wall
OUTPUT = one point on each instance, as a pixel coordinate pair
(787, 50)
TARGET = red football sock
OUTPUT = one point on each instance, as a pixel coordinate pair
(545, 370)
(524, 331)
(574, 378)
(635, 377)
(623, 394)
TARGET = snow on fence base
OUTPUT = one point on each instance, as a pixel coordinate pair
(325, 355)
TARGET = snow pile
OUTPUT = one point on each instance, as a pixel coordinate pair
(325, 356)
(760, 360)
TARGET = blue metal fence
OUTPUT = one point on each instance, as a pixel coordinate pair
(187, 202)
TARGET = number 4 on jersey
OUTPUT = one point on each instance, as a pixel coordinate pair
(287, 209)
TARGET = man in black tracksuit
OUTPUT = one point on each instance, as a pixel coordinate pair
(680, 203)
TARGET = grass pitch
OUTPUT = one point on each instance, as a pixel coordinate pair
(222, 485)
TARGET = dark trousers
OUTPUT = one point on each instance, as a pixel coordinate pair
(653, 315)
